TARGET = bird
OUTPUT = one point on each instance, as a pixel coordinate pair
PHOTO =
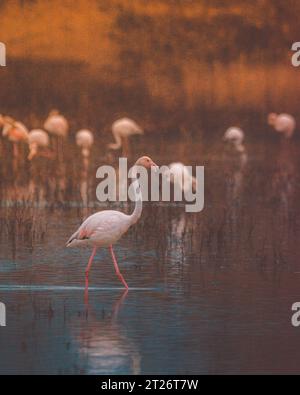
(16, 132)
(122, 129)
(105, 228)
(282, 123)
(37, 138)
(56, 124)
(179, 175)
(236, 159)
(235, 137)
(85, 140)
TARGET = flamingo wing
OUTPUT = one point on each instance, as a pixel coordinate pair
(104, 227)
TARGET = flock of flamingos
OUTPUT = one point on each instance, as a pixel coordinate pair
(105, 228)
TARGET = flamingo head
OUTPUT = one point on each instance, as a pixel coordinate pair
(146, 162)
(272, 118)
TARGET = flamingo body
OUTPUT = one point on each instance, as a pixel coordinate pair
(124, 128)
(283, 123)
(15, 131)
(85, 140)
(37, 138)
(56, 124)
(101, 229)
(234, 135)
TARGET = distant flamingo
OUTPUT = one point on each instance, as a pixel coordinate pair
(37, 138)
(56, 124)
(235, 136)
(85, 140)
(16, 132)
(105, 228)
(181, 176)
(122, 129)
(236, 159)
(283, 123)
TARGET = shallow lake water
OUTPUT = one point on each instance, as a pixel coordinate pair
(210, 292)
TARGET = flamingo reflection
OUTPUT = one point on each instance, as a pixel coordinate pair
(105, 344)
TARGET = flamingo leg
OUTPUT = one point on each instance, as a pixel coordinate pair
(87, 270)
(117, 267)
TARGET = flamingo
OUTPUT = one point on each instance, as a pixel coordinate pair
(235, 136)
(37, 138)
(16, 132)
(180, 175)
(85, 140)
(122, 129)
(282, 123)
(105, 228)
(237, 157)
(56, 124)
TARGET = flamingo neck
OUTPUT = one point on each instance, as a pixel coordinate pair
(134, 217)
(118, 143)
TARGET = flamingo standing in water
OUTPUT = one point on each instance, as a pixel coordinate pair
(84, 140)
(105, 228)
(282, 123)
(16, 132)
(57, 126)
(236, 159)
(122, 129)
(235, 136)
(37, 139)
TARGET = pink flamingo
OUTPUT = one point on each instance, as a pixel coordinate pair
(56, 124)
(105, 228)
(37, 138)
(283, 123)
(122, 129)
(17, 133)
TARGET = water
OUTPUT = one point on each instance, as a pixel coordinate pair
(210, 292)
